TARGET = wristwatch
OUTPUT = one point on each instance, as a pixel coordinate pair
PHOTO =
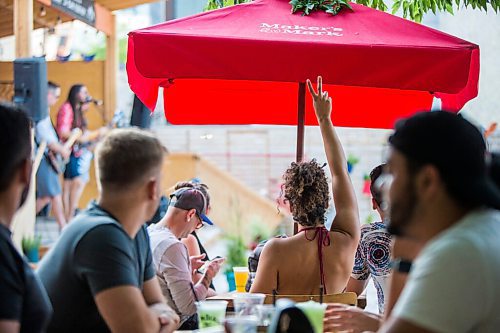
(401, 265)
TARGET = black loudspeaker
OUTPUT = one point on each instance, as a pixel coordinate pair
(30, 86)
(141, 115)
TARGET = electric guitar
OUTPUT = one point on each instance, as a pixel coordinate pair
(57, 162)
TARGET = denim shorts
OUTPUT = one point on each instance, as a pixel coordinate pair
(79, 166)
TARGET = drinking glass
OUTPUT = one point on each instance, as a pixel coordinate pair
(315, 312)
(211, 313)
(240, 278)
(245, 303)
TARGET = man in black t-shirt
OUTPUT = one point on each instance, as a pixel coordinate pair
(24, 306)
(99, 275)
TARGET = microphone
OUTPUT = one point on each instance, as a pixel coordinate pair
(90, 99)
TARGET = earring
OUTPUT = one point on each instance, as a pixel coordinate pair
(189, 219)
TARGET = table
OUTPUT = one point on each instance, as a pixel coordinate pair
(229, 297)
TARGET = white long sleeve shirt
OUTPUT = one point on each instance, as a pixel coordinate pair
(174, 272)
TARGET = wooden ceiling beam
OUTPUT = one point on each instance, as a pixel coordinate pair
(48, 21)
(103, 8)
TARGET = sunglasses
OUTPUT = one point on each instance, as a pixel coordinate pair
(200, 223)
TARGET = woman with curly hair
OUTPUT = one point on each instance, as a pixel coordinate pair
(315, 258)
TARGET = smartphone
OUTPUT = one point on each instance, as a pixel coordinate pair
(202, 269)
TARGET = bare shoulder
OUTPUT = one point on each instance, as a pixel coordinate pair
(190, 239)
(191, 245)
(274, 247)
(273, 244)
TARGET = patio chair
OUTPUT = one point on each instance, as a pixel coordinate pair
(349, 298)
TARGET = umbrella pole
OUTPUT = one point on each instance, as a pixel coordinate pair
(301, 114)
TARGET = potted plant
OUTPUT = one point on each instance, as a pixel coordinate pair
(236, 257)
(31, 247)
(351, 162)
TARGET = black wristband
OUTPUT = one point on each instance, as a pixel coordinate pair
(401, 265)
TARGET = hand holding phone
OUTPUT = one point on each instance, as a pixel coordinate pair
(218, 259)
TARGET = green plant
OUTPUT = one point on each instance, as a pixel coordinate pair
(29, 243)
(216, 4)
(329, 6)
(413, 9)
(352, 160)
(236, 253)
(369, 219)
(258, 229)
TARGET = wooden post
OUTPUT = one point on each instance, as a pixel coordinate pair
(110, 71)
(23, 26)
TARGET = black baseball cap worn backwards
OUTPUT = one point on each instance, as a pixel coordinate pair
(188, 198)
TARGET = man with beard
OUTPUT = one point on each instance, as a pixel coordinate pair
(441, 195)
(24, 305)
(100, 275)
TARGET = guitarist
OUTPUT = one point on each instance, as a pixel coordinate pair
(48, 187)
(71, 115)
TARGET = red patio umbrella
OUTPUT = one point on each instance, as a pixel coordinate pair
(247, 64)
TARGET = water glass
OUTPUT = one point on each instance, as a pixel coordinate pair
(245, 303)
(242, 324)
(265, 313)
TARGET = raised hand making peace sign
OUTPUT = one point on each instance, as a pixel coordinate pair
(322, 103)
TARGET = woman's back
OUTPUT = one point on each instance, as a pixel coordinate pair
(294, 264)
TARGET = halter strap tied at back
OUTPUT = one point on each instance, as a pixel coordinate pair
(322, 236)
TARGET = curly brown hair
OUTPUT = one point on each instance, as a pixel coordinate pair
(306, 189)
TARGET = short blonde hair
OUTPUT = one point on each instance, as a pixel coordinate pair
(127, 157)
